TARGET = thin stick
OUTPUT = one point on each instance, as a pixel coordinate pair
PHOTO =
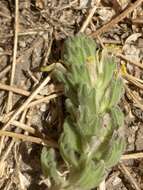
(29, 138)
(35, 80)
(9, 147)
(117, 19)
(29, 99)
(133, 80)
(6, 153)
(5, 117)
(88, 19)
(137, 21)
(25, 33)
(4, 71)
(50, 89)
(132, 180)
(45, 99)
(47, 53)
(139, 104)
(132, 156)
(130, 61)
(5, 15)
(9, 102)
(17, 90)
(20, 125)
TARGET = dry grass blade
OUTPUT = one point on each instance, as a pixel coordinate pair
(133, 80)
(24, 33)
(4, 71)
(117, 19)
(4, 156)
(29, 99)
(50, 88)
(127, 173)
(5, 15)
(31, 75)
(32, 139)
(134, 98)
(132, 156)
(9, 102)
(12, 143)
(47, 53)
(20, 125)
(45, 99)
(137, 21)
(88, 19)
(17, 90)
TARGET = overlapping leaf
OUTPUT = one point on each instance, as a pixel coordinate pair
(90, 142)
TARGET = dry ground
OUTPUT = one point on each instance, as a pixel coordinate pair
(31, 35)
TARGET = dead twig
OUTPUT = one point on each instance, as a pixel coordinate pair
(47, 53)
(6, 153)
(30, 32)
(45, 99)
(116, 20)
(132, 156)
(88, 19)
(29, 138)
(17, 90)
(4, 71)
(20, 125)
(31, 75)
(50, 88)
(137, 21)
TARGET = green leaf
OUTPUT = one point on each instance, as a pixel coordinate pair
(116, 92)
(87, 96)
(78, 49)
(71, 109)
(70, 144)
(105, 100)
(117, 117)
(95, 177)
(68, 154)
(73, 138)
(115, 151)
(90, 176)
(109, 67)
(48, 164)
